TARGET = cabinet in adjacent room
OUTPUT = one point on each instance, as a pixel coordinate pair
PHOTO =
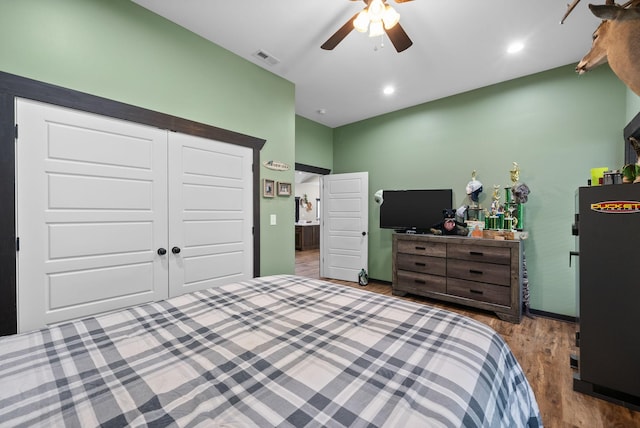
(481, 273)
(307, 237)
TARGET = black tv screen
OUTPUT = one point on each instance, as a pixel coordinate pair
(416, 210)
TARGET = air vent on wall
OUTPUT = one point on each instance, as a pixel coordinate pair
(266, 57)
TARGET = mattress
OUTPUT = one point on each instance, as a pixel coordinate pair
(274, 351)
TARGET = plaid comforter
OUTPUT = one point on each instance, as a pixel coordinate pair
(274, 351)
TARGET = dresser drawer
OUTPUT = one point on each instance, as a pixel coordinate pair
(416, 283)
(482, 272)
(425, 264)
(434, 249)
(480, 253)
(480, 291)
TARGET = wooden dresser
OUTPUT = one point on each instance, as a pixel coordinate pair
(482, 273)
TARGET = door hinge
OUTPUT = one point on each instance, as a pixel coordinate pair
(253, 230)
(16, 131)
(18, 244)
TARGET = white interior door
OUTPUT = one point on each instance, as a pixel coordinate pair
(210, 213)
(345, 225)
(91, 213)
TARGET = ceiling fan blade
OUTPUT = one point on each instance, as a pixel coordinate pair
(339, 35)
(402, 1)
(399, 38)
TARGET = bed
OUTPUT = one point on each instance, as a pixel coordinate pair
(274, 351)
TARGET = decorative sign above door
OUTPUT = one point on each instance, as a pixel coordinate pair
(275, 165)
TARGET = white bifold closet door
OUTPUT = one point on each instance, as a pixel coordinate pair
(210, 213)
(99, 199)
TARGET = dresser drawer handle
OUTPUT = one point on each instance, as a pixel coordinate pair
(420, 281)
(476, 253)
(420, 264)
(476, 291)
(477, 272)
(421, 248)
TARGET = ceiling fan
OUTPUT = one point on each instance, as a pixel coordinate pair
(378, 18)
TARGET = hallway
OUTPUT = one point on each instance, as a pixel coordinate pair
(308, 263)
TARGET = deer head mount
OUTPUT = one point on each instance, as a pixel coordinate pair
(616, 40)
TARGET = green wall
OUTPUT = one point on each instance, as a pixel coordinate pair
(555, 124)
(314, 143)
(633, 105)
(118, 50)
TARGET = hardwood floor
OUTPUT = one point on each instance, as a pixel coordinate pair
(541, 345)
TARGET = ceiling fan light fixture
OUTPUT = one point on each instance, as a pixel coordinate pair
(376, 10)
(361, 23)
(376, 29)
(376, 19)
(390, 17)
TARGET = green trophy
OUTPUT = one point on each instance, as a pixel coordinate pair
(519, 194)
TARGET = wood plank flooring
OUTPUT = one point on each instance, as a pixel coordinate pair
(541, 345)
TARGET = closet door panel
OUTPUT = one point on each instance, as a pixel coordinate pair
(198, 269)
(92, 146)
(78, 287)
(222, 232)
(96, 239)
(100, 193)
(92, 198)
(210, 213)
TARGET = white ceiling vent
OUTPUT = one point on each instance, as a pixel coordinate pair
(266, 57)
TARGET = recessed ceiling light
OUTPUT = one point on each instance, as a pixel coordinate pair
(515, 47)
(388, 90)
(322, 111)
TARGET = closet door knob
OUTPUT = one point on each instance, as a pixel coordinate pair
(162, 251)
(175, 250)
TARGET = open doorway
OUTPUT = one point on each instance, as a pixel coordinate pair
(307, 219)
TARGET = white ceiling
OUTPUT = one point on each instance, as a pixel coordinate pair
(457, 46)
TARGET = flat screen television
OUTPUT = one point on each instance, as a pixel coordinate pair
(413, 210)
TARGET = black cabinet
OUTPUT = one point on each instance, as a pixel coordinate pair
(608, 227)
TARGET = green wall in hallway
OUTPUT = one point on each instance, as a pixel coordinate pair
(314, 143)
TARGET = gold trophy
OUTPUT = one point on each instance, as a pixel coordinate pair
(516, 197)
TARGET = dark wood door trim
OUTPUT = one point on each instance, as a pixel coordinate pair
(313, 169)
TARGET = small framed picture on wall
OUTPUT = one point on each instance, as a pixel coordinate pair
(284, 189)
(268, 188)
